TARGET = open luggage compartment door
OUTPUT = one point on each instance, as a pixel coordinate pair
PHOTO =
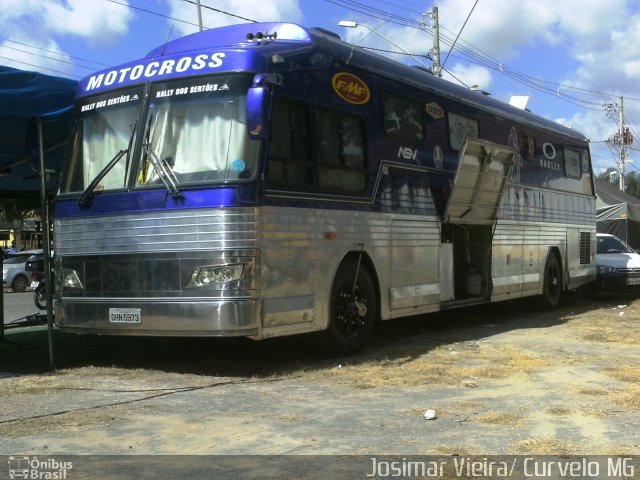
(480, 180)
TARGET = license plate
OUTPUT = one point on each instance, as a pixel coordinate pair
(34, 284)
(633, 281)
(125, 315)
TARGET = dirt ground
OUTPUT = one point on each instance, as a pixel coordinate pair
(503, 379)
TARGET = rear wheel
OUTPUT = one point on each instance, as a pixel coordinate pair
(353, 309)
(552, 286)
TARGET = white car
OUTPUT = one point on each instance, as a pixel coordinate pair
(14, 275)
(618, 265)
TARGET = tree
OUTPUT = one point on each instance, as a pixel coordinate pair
(17, 209)
(632, 183)
(607, 174)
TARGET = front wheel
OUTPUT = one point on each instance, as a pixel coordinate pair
(353, 309)
(552, 282)
(20, 284)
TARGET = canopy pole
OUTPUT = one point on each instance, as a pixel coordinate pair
(2, 303)
(2, 339)
(46, 242)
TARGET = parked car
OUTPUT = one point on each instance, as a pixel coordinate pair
(618, 265)
(14, 274)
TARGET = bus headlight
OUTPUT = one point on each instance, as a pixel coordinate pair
(66, 278)
(214, 275)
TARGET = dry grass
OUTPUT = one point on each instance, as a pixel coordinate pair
(565, 412)
(544, 446)
(64, 423)
(614, 323)
(594, 392)
(37, 385)
(628, 398)
(438, 367)
(625, 373)
(559, 411)
(505, 419)
(294, 418)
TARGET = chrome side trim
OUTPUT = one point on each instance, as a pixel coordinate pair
(414, 295)
(287, 310)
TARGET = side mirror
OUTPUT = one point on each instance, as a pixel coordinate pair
(259, 105)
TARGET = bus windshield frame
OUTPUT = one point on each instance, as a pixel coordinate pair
(176, 132)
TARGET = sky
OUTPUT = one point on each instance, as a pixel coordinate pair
(570, 57)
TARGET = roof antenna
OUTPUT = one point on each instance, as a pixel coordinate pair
(164, 47)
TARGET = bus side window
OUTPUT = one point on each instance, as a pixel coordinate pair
(572, 163)
(461, 127)
(403, 121)
(530, 147)
(340, 151)
(289, 161)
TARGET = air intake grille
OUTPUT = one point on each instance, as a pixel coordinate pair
(585, 248)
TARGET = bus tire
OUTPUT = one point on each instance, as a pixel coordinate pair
(352, 315)
(552, 282)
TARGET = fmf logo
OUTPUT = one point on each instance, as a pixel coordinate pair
(350, 88)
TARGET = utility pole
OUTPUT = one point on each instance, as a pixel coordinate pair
(199, 15)
(623, 139)
(436, 68)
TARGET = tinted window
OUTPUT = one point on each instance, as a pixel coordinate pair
(340, 149)
(572, 164)
(461, 127)
(403, 120)
(336, 163)
(289, 162)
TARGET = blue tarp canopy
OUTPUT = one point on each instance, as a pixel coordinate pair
(618, 213)
(25, 97)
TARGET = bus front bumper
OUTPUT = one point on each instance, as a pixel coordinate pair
(185, 317)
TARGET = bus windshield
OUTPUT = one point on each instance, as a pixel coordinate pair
(105, 130)
(194, 131)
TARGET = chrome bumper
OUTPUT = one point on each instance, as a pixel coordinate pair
(185, 317)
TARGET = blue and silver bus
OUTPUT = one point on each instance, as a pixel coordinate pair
(266, 179)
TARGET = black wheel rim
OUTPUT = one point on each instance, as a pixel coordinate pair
(349, 308)
(19, 284)
(553, 280)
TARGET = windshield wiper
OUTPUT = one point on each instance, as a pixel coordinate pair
(84, 199)
(164, 171)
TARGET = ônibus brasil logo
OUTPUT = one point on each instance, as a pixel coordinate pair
(33, 468)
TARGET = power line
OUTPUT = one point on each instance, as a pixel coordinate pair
(151, 12)
(221, 11)
(51, 51)
(40, 67)
(47, 57)
(475, 55)
(376, 13)
(401, 7)
(458, 36)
